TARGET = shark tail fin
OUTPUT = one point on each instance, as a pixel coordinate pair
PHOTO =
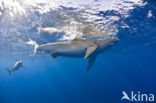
(9, 71)
(35, 49)
(31, 42)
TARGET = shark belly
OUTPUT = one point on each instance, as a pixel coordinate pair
(71, 51)
(16, 67)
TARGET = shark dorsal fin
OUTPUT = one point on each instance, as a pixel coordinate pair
(90, 50)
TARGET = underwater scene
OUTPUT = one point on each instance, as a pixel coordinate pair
(76, 51)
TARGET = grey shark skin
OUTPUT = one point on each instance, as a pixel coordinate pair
(16, 66)
(77, 48)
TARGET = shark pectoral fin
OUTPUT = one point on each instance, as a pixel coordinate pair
(91, 61)
(54, 54)
(9, 71)
(44, 43)
(90, 50)
(23, 67)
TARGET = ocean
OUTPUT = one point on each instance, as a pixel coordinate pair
(129, 65)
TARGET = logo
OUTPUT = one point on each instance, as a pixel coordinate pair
(140, 97)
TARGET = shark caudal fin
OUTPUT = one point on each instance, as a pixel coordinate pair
(31, 42)
(9, 71)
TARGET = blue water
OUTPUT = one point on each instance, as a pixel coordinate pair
(130, 65)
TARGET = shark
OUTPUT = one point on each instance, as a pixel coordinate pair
(16, 66)
(77, 47)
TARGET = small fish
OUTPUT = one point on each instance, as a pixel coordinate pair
(16, 66)
(48, 30)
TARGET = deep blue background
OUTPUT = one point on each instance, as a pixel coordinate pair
(130, 65)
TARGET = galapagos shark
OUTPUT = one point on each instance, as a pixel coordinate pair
(76, 48)
(16, 66)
